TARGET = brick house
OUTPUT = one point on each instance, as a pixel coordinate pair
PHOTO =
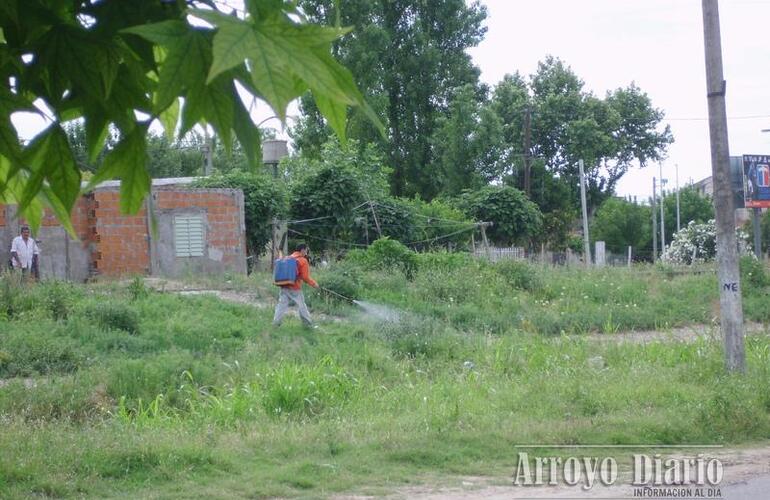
(189, 230)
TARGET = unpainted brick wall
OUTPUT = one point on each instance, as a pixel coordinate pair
(120, 242)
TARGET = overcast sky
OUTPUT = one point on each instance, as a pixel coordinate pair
(659, 45)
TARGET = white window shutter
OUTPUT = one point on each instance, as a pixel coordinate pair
(188, 235)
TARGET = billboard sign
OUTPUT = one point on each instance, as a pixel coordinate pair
(756, 181)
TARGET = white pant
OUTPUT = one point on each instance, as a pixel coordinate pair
(283, 305)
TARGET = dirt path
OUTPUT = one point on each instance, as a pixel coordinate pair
(746, 471)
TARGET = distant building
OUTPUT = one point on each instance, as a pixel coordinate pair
(705, 187)
(198, 230)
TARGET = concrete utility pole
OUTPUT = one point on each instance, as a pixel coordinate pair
(208, 150)
(654, 222)
(527, 150)
(676, 166)
(586, 243)
(728, 274)
(662, 213)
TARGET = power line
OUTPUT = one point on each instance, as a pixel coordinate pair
(326, 239)
(442, 237)
(302, 221)
(698, 119)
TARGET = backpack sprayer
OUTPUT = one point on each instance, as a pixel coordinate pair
(285, 273)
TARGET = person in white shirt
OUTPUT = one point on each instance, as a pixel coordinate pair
(25, 252)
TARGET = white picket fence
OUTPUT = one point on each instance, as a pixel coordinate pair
(501, 253)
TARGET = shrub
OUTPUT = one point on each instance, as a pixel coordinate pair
(698, 243)
(390, 254)
(330, 192)
(114, 316)
(516, 219)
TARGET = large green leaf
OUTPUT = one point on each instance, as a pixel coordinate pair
(49, 159)
(79, 56)
(96, 131)
(128, 162)
(188, 55)
(9, 141)
(214, 103)
(169, 118)
(12, 182)
(324, 74)
(335, 113)
(246, 131)
(235, 42)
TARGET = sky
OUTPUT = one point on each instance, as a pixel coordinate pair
(658, 44)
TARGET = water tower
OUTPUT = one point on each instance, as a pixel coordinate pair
(272, 152)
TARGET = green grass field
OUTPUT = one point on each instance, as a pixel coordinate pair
(117, 390)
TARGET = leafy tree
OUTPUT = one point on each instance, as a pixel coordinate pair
(553, 196)
(516, 220)
(329, 193)
(510, 101)
(620, 224)
(692, 207)
(125, 64)
(415, 223)
(569, 123)
(362, 161)
(467, 144)
(263, 198)
(439, 223)
(408, 57)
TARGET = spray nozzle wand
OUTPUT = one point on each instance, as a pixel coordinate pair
(337, 294)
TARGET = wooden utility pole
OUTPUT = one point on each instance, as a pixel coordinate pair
(527, 150)
(728, 274)
(586, 241)
(483, 226)
(376, 221)
(654, 222)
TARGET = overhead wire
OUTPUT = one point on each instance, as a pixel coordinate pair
(441, 237)
(327, 239)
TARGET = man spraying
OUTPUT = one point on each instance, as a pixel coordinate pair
(290, 272)
(25, 253)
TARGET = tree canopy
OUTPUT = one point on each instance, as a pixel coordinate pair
(120, 65)
(408, 58)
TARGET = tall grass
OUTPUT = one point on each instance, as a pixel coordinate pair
(200, 397)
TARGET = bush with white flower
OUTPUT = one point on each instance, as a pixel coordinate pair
(698, 243)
